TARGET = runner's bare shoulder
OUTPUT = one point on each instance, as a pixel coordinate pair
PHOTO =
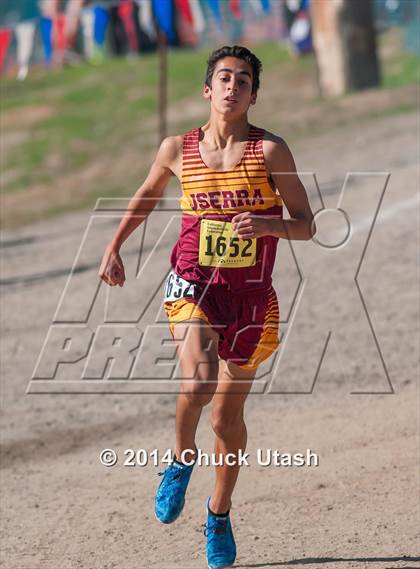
(170, 153)
(276, 150)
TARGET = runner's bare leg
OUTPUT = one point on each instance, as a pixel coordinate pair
(197, 350)
(229, 426)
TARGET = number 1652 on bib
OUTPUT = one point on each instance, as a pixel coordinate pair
(220, 247)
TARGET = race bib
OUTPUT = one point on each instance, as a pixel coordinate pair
(220, 248)
(177, 287)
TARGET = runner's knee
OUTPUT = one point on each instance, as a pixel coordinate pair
(225, 425)
(200, 390)
(199, 393)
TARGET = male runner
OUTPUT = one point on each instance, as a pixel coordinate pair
(219, 299)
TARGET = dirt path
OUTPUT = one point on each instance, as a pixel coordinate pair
(358, 508)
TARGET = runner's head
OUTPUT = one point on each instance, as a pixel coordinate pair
(232, 79)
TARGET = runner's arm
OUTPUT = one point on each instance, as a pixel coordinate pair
(149, 193)
(281, 166)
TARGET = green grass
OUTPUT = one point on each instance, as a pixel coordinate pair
(100, 107)
(402, 69)
(398, 67)
(95, 112)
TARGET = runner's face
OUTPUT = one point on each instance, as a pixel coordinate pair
(231, 87)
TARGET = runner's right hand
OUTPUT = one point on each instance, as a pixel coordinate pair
(112, 268)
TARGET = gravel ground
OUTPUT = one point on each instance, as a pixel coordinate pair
(343, 384)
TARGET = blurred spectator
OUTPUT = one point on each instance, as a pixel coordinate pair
(297, 19)
(66, 19)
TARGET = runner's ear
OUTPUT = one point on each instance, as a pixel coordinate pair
(206, 92)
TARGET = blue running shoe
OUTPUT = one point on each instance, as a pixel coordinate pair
(221, 547)
(170, 495)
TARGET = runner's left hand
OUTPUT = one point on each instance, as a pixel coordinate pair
(247, 225)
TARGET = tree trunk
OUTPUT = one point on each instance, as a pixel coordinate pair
(345, 46)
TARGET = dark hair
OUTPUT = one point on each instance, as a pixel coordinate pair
(240, 53)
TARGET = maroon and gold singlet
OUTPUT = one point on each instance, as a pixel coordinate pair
(215, 275)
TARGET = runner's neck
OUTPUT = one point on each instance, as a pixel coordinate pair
(219, 133)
